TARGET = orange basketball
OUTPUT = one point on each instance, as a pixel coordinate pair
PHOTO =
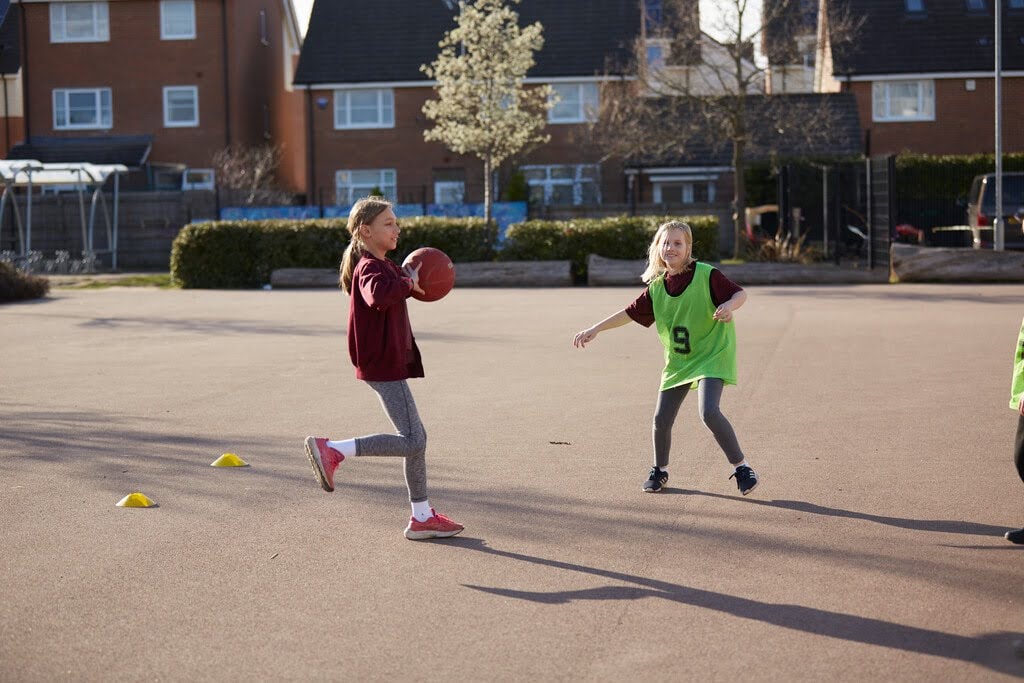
(437, 273)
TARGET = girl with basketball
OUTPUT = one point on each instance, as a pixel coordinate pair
(385, 355)
(691, 305)
(1017, 403)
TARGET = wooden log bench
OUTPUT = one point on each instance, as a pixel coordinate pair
(474, 274)
(943, 264)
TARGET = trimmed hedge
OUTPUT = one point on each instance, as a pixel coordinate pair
(922, 176)
(243, 254)
(18, 286)
(463, 239)
(621, 237)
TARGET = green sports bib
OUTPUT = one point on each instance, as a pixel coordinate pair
(1017, 387)
(696, 345)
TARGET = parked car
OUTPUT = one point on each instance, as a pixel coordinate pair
(981, 210)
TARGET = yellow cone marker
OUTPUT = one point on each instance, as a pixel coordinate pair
(229, 460)
(135, 500)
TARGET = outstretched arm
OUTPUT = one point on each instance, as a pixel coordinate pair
(724, 312)
(585, 336)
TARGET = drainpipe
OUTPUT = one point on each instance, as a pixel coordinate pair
(7, 120)
(227, 89)
(24, 75)
(310, 148)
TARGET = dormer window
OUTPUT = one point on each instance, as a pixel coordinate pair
(975, 6)
(915, 6)
(1016, 4)
(656, 56)
(652, 14)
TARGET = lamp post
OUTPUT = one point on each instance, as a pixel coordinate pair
(998, 227)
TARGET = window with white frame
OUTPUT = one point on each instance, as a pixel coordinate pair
(177, 19)
(353, 184)
(576, 103)
(181, 106)
(570, 185)
(684, 190)
(79, 22)
(82, 109)
(903, 100)
(364, 108)
(198, 179)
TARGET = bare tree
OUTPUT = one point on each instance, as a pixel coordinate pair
(694, 92)
(249, 173)
(483, 107)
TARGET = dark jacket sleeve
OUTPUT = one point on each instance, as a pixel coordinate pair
(380, 287)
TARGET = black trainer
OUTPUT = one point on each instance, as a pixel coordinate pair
(1015, 536)
(746, 479)
(655, 480)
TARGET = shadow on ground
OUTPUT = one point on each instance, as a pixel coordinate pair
(1003, 652)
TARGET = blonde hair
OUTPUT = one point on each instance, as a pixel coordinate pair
(363, 212)
(656, 266)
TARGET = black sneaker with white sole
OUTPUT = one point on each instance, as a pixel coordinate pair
(746, 479)
(1015, 536)
(655, 480)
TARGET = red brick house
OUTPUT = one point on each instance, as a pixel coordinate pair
(360, 70)
(923, 73)
(160, 85)
(12, 129)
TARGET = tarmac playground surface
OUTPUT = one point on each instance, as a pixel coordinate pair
(875, 415)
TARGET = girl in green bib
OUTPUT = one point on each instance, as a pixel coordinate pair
(691, 304)
(1017, 403)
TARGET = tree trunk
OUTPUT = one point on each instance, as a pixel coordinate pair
(487, 190)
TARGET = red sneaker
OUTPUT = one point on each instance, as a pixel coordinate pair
(324, 460)
(436, 526)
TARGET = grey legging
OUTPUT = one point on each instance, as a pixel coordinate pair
(709, 393)
(410, 442)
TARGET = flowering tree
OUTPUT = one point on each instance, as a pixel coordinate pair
(483, 107)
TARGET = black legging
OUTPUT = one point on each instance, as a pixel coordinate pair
(1018, 451)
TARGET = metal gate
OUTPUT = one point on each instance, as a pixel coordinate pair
(881, 204)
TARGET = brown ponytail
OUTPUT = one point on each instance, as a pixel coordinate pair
(363, 212)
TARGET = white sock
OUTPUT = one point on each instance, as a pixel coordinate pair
(421, 511)
(346, 447)
(742, 464)
(662, 469)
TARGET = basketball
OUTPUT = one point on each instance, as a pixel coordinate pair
(437, 273)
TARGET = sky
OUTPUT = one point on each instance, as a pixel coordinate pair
(303, 8)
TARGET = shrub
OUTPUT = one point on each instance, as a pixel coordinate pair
(623, 237)
(18, 286)
(463, 239)
(243, 254)
(784, 248)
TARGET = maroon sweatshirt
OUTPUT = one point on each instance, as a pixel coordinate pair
(380, 341)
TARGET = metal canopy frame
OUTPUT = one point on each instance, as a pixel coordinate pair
(28, 174)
